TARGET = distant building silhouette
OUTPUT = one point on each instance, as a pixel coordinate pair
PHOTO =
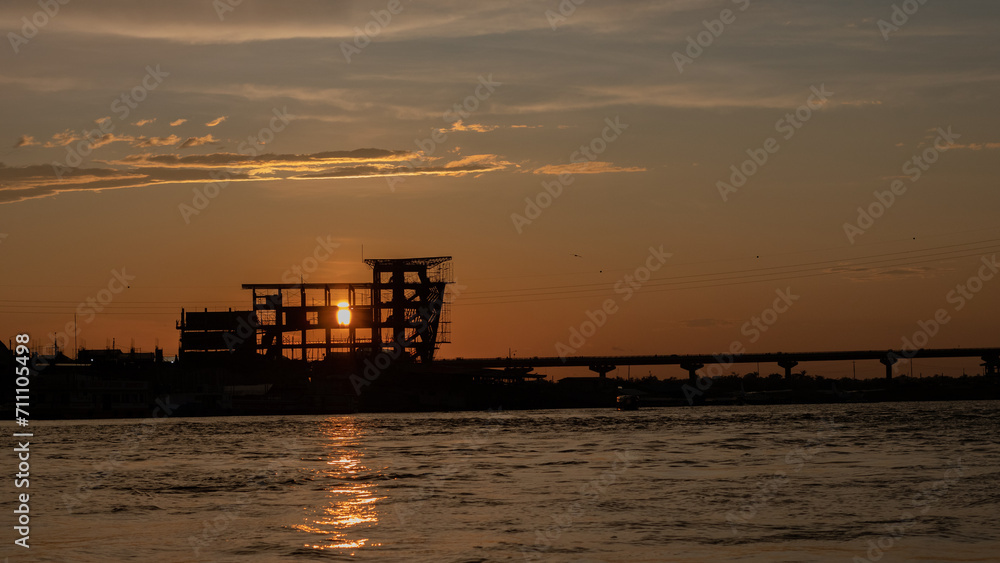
(401, 312)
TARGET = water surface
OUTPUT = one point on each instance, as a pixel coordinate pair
(889, 482)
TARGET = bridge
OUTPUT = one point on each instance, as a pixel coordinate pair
(693, 362)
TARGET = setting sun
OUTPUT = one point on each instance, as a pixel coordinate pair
(344, 314)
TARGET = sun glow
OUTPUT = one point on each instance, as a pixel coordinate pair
(344, 313)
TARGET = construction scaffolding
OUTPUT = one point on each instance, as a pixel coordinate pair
(403, 313)
(309, 321)
(409, 308)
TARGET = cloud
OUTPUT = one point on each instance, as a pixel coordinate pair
(474, 164)
(133, 171)
(25, 141)
(215, 121)
(590, 167)
(30, 182)
(177, 122)
(142, 122)
(62, 139)
(68, 137)
(156, 141)
(268, 162)
(108, 138)
(198, 141)
(472, 127)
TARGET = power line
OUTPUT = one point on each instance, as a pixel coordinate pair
(709, 280)
(995, 245)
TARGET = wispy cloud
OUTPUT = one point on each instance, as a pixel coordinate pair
(198, 141)
(215, 121)
(474, 164)
(266, 163)
(108, 138)
(25, 141)
(142, 122)
(177, 122)
(170, 141)
(590, 167)
(36, 181)
(62, 139)
(472, 127)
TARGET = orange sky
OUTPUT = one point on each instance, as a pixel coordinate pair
(196, 150)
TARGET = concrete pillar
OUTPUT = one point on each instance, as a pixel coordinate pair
(991, 366)
(889, 361)
(692, 369)
(788, 365)
(602, 369)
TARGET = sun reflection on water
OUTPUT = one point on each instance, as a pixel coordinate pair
(350, 511)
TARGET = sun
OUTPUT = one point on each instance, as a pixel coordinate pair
(344, 313)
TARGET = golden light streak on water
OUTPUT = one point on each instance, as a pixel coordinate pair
(349, 510)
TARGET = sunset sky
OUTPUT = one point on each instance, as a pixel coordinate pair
(194, 146)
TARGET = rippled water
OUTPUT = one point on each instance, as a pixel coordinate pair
(889, 482)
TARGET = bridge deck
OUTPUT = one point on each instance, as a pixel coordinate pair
(693, 362)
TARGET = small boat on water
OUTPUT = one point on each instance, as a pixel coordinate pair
(628, 402)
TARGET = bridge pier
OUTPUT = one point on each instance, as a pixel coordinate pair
(692, 369)
(602, 369)
(788, 365)
(888, 361)
(991, 365)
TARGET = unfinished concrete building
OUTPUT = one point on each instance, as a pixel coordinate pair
(401, 312)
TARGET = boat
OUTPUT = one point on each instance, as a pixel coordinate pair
(628, 402)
